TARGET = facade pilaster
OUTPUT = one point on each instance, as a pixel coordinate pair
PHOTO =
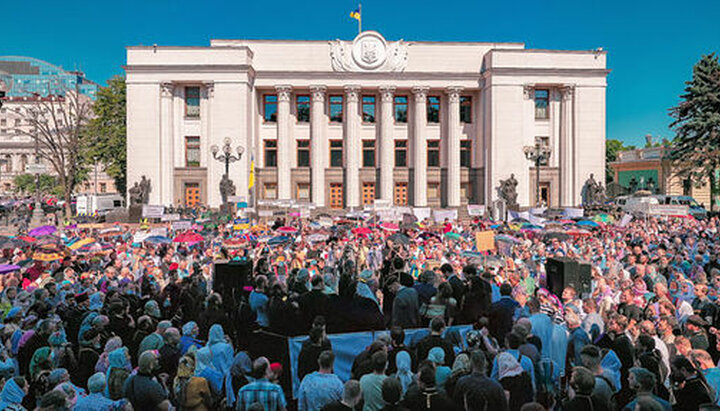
(566, 147)
(387, 142)
(165, 185)
(284, 144)
(419, 146)
(318, 123)
(352, 146)
(453, 146)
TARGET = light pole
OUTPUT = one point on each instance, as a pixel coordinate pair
(225, 155)
(96, 175)
(538, 154)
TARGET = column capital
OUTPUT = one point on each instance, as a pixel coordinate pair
(453, 93)
(283, 92)
(318, 92)
(352, 92)
(529, 91)
(387, 93)
(420, 93)
(209, 88)
(166, 89)
(567, 91)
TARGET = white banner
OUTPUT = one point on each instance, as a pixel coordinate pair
(421, 212)
(668, 210)
(476, 210)
(265, 213)
(153, 211)
(389, 215)
(625, 220)
(573, 212)
(181, 225)
(170, 217)
(441, 215)
(514, 215)
(538, 211)
(536, 220)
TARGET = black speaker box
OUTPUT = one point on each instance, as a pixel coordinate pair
(564, 272)
(231, 277)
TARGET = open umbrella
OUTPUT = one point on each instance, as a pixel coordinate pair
(361, 231)
(234, 243)
(8, 268)
(452, 236)
(42, 230)
(603, 218)
(389, 226)
(157, 239)
(189, 237)
(80, 243)
(278, 240)
(558, 235)
(287, 230)
(507, 239)
(12, 242)
(317, 237)
(49, 252)
(399, 238)
(577, 232)
(587, 223)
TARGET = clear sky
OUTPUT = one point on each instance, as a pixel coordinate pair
(651, 44)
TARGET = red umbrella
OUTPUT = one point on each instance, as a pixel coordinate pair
(287, 229)
(189, 237)
(361, 230)
(390, 226)
(578, 231)
(28, 239)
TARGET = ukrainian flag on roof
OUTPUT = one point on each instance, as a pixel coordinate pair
(355, 14)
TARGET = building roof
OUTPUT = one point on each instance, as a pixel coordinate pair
(27, 76)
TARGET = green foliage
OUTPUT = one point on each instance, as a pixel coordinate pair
(106, 134)
(695, 149)
(25, 184)
(612, 148)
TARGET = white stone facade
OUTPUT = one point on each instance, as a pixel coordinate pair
(486, 94)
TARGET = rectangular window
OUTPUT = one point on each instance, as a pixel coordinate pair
(303, 109)
(17, 122)
(103, 187)
(270, 191)
(541, 104)
(192, 151)
(433, 153)
(368, 109)
(466, 109)
(465, 150)
(433, 190)
(400, 153)
(303, 153)
(336, 153)
(270, 105)
(336, 109)
(270, 153)
(433, 109)
(192, 101)
(401, 109)
(303, 191)
(368, 154)
(3, 122)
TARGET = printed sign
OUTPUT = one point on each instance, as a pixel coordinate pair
(181, 225)
(153, 211)
(441, 215)
(485, 240)
(476, 210)
(170, 217)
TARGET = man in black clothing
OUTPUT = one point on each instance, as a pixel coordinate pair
(582, 383)
(397, 344)
(435, 339)
(477, 389)
(502, 313)
(313, 303)
(615, 339)
(143, 390)
(311, 350)
(425, 396)
(690, 387)
(456, 282)
(170, 353)
(351, 397)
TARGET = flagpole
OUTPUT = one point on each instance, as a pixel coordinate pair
(360, 19)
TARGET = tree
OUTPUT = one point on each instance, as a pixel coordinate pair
(695, 149)
(25, 184)
(55, 122)
(612, 148)
(106, 134)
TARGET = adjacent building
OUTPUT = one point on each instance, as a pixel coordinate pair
(27, 81)
(342, 123)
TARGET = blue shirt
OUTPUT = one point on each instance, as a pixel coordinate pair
(712, 375)
(98, 402)
(664, 404)
(318, 390)
(263, 391)
(259, 303)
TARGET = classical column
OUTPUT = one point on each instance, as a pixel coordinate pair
(566, 149)
(420, 146)
(317, 145)
(283, 144)
(387, 142)
(352, 146)
(453, 146)
(166, 145)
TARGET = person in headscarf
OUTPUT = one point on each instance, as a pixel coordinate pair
(41, 361)
(189, 338)
(404, 374)
(222, 357)
(62, 355)
(155, 340)
(240, 370)
(191, 392)
(117, 372)
(111, 345)
(59, 380)
(204, 368)
(96, 301)
(442, 372)
(514, 380)
(12, 394)
(152, 309)
(461, 367)
(96, 401)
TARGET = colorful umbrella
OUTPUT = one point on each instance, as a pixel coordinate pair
(27, 239)
(317, 237)
(157, 239)
(278, 240)
(8, 268)
(189, 237)
(287, 229)
(578, 231)
(452, 236)
(507, 239)
(603, 218)
(80, 243)
(361, 231)
(587, 223)
(42, 230)
(234, 242)
(389, 227)
(12, 242)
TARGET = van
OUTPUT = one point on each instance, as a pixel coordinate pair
(98, 204)
(695, 209)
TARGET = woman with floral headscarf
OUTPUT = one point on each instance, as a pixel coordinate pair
(189, 339)
(461, 367)
(514, 380)
(117, 372)
(111, 345)
(191, 392)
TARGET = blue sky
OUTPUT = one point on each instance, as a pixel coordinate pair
(651, 45)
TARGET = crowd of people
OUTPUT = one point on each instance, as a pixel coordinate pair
(116, 319)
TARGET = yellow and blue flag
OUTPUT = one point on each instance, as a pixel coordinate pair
(355, 14)
(251, 180)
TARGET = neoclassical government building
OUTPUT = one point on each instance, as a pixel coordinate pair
(342, 123)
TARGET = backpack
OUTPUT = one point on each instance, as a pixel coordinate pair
(548, 388)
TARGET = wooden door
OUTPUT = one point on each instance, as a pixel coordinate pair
(336, 195)
(192, 194)
(401, 194)
(368, 193)
(545, 194)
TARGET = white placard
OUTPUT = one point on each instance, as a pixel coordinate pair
(422, 212)
(265, 213)
(441, 215)
(573, 212)
(668, 210)
(170, 217)
(153, 211)
(476, 210)
(140, 236)
(181, 225)
(538, 210)
(625, 220)
(160, 231)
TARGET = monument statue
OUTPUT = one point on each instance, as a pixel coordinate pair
(633, 185)
(135, 194)
(593, 193)
(651, 185)
(145, 190)
(508, 192)
(227, 188)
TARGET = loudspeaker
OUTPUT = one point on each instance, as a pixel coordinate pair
(230, 278)
(564, 272)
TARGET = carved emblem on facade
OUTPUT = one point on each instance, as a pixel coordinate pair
(368, 52)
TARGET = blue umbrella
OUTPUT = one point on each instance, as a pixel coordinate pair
(587, 223)
(158, 239)
(278, 240)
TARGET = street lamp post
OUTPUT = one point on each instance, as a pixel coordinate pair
(538, 154)
(225, 155)
(96, 176)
